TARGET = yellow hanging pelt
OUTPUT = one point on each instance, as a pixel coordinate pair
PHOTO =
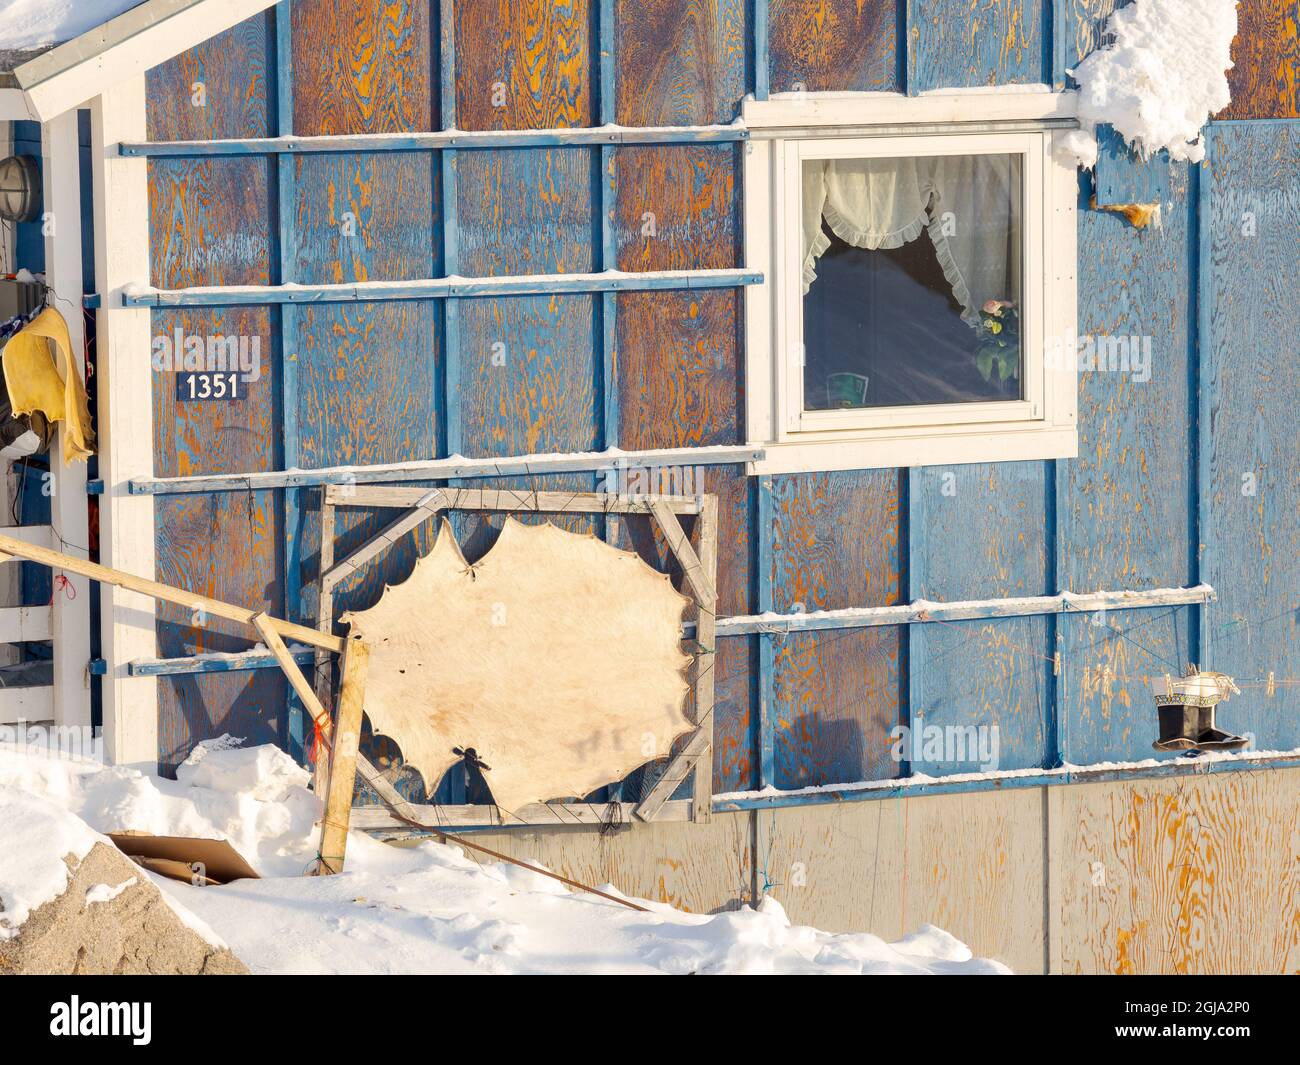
(35, 383)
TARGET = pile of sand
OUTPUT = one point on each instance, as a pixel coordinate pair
(110, 919)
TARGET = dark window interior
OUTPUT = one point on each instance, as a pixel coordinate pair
(888, 315)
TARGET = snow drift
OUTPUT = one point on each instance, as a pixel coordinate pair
(1159, 80)
(421, 909)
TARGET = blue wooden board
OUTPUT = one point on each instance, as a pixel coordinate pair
(1126, 511)
(835, 45)
(953, 43)
(680, 63)
(1127, 508)
(978, 532)
(833, 541)
(1249, 319)
(1122, 176)
(210, 223)
(1110, 661)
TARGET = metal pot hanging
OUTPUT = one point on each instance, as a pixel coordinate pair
(1186, 705)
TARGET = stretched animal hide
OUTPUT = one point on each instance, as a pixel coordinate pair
(556, 657)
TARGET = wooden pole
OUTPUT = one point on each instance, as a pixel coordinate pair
(119, 579)
(266, 628)
(343, 759)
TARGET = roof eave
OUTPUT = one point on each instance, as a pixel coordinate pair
(143, 37)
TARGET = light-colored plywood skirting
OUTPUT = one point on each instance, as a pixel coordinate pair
(1200, 875)
(1190, 875)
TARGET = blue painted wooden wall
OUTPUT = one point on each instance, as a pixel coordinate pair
(1157, 497)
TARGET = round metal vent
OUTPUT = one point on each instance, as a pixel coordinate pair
(20, 189)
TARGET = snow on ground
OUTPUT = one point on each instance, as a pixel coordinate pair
(1159, 80)
(423, 909)
(35, 834)
(36, 23)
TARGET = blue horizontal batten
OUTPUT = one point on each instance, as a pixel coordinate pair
(459, 139)
(446, 469)
(908, 614)
(444, 288)
(171, 667)
(896, 789)
(95, 487)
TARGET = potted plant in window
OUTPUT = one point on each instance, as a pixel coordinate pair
(997, 353)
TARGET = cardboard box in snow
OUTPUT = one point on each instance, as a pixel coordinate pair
(202, 862)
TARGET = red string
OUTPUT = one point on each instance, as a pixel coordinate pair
(318, 740)
(62, 583)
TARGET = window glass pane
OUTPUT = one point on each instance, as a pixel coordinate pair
(912, 281)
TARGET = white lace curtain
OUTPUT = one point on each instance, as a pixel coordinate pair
(969, 205)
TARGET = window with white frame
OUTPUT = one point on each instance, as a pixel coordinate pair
(918, 262)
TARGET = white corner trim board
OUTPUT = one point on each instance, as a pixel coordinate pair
(125, 393)
(61, 147)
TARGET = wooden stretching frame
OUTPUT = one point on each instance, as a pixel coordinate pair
(694, 760)
(342, 765)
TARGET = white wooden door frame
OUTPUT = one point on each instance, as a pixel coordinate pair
(61, 169)
(125, 424)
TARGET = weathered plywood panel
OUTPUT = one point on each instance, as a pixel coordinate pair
(1108, 663)
(528, 376)
(835, 540)
(360, 217)
(835, 544)
(1250, 376)
(680, 62)
(366, 374)
(836, 699)
(524, 211)
(677, 207)
(699, 868)
(971, 864)
(1125, 514)
(367, 384)
(216, 89)
(1079, 27)
(988, 686)
(679, 384)
(834, 45)
(979, 531)
(1198, 875)
(210, 224)
(1265, 75)
(954, 43)
(676, 362)
(224, 547)
(523, 64)
(362, 66)
(527, 366)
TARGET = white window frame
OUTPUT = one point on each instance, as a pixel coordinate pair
(791, 128)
